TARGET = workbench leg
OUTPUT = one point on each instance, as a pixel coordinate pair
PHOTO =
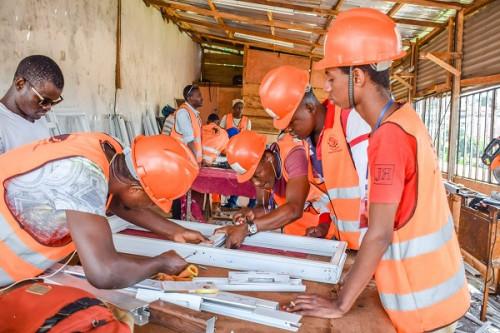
(484, 306)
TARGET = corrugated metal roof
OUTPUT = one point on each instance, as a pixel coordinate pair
(291, 18)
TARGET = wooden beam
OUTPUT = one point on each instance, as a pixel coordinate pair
(442, 64)
(481, 81)
(266, 46)
(395, 8)
(244, 31)
(218, 18)
(305, 9)
(451, 46)
(443, 55)
(420, 23)
(476, 5)
(455, 96)
(414, 67)
(237, 18)
(433, 3)
(339, 5)
(402, 81)
(270, 18)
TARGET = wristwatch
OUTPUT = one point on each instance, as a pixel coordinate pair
(252, 228)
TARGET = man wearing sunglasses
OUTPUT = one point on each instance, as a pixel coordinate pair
(37, 86)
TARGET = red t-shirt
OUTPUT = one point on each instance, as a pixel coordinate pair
(392, 159)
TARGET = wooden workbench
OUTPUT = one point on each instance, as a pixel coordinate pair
(366, 315)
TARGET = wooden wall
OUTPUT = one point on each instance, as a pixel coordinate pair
(217, 99)
(256, 64)
(221, 67)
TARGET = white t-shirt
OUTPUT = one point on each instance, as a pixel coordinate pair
(16, 131)
(358, 128)
(40, 198)
(236, 122)
(183, 124)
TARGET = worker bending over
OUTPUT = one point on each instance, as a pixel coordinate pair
(213, 139)
(409, 242)
(337, 141)
(280, 175)
(56, 194)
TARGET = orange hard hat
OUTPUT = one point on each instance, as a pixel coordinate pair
(244, 152)
(361, 36)
(165, 168)
(281, 91)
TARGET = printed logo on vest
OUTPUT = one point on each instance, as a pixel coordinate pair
(384, 174)
(333, 145)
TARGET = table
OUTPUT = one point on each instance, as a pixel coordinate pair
(367, 314)
(220, 181)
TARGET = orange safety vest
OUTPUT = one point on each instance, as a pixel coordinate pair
(242, 126)
(22, 255)
(213, 141)
(421, 278)
(343, 195)
(196, 124)
(310, 218)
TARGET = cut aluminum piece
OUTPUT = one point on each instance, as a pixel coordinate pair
(240, 301)
(190, 301)
(257, 277)
(267, 239)
(313, 270)
(295, 285)
(217, 240)
(137, 308)
(264, 316)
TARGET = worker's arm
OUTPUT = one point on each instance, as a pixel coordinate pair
(151, 220)
(374, 245)
(104, 267)
(297, 189)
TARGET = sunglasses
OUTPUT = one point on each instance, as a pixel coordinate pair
(44, 102)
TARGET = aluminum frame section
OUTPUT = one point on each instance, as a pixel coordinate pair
(295, 285)
(268, 239)
(312, 270)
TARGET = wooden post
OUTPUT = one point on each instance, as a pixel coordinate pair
(455, 97)
(118, 78)
(451, 41)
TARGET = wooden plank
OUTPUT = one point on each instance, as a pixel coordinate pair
(218, 18)
(395, 8)
(480, 81)
(402, 81)
(451, 45)
(455, 96)
(442, 64)
(235, 17)
(420, 23)
(244, 31)
(305, 9)
(260, 62)
(219, 58)
(435, 4)
(181, 319)
(220, 74)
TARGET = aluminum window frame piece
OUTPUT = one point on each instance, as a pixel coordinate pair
(267, 239)
(312, 270)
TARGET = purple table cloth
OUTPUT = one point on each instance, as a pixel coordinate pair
(222, 181)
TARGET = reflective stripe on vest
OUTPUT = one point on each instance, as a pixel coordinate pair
(10, 239)
(195, 124)
(420, 245)
(425, 298)
(22, 255)
(341, 181)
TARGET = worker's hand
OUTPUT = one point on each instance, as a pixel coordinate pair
(319, 231)
(172, 263)
(244, 215)
(189, 236)
(315, 306)
(235, 234)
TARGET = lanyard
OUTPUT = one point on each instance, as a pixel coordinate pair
(386, 107)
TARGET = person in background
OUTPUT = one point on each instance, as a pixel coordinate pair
(213, 139)
(187, 124)
(168, 123)
(409, 242)
(37, 86)
(236, 120)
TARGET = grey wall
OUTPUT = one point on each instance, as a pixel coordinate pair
(157, 61)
